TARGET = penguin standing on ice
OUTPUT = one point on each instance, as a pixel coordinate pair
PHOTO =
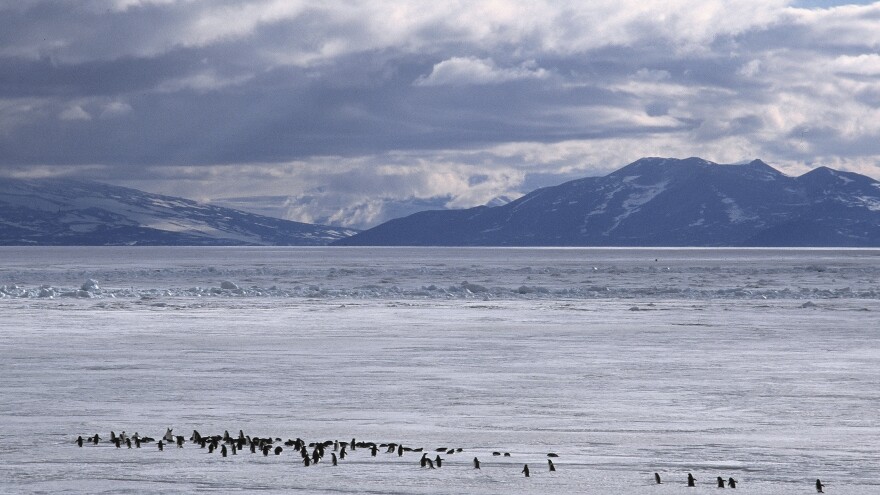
(525, 470)
(720, 482)
(79, 441)
(731, 483)
(476, 463)
(333, 458)
(819, 486)
(161, 445)
(550, 464)
(223, 450)
(657, 478)
(438, 461)
(691, 480)
(424, 460)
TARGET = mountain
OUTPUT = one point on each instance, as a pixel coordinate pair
(70, 212)
(661, 202)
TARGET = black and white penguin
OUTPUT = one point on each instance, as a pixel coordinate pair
(691, 480)
(550, 464)
(168, 437)
(278, 450)
(476, 463)
(374, 450)
(180, 441)
(223, 450)
(819, 486)
(400, 450)
(720, 482)
(657, 478)
(731, 483)
(161, 445)
(430, 463)
(211, 448)
(118, 442)
(424, 460)
(128, 442)
(137, 442)
(525, 470)
(333, 458)
(306, 461)
(79, 441)
(352, 445)
(95, 439)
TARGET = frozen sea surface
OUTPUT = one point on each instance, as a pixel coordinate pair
(763, 365)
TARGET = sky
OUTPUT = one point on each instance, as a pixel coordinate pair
(345, 112)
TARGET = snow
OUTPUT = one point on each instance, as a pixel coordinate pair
(636, 199)
(724, 370)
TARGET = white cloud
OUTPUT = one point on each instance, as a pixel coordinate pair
(74, 112)
(470, 70)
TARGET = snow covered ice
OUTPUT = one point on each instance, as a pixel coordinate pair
(756, 364)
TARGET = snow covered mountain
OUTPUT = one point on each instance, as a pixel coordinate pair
(69, 212)
(662, 202)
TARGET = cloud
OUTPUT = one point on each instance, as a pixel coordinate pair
(363, 104)
(470, 70)
(74, 112)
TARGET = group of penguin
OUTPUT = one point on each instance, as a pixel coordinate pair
(266, 445)
(731, 482)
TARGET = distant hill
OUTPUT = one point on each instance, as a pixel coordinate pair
(661, 202)
(55, 212)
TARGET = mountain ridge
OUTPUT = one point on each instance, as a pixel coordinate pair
(61, 212)
(662, 202)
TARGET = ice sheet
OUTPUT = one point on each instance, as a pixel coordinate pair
(774, 392)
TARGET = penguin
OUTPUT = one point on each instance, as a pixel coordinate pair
(195, 437)
(137, 442)
(657, 478)
(161, 445)
(112, 437)
(223, 450)
(438, 461)
(525, 470)
(333, 458)
(352, 445)
(306, 461)
(430, 463)
(180, 441)
(253, 448)
(342, 453)
(266, 449)
(400, 450)
(79, 441)
(476, 463)
(691, 480)
(278, 450)
(819, 486)
(203, 442)
(128, 442)
(720, 482)
(95, 439)
(211, 448)
(118, 442)
(226, 436)
(234, 449)
(731, 483)
(336, 446)
(169, 438)
(316, 455)
(374, 450)
(424, 460)
(550, 464)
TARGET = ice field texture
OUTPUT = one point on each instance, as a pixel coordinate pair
(761, 365)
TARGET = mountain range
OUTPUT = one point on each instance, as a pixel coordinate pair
(56, 212)
(661, 202)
